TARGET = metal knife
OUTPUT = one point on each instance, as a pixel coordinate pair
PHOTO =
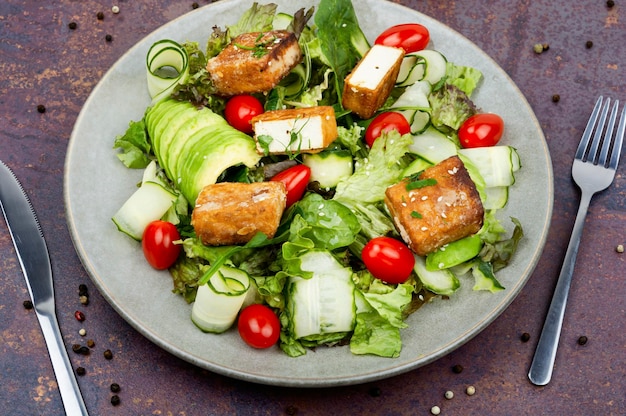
(35, 261)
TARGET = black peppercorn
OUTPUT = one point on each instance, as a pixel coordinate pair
(457, 368)
(194, 5)
(100, 15)
(108, 38)
(72, 25)
(84, 350)
(83, 290)
(375, 392)
(589, 44)
(582, 340)
(80, 371)
(28, 304)
(115, 400)
(91, 343)
(610, 3)
(108, 354)
(525, 337)
(115, 388)
(76, 348)
(41, 108)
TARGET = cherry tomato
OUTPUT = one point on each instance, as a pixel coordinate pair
(388, 259)
(481, 130)
(239, 111)
(296, 179)
(258, 326)
(386, 122)
(411, 37)
(158, 244)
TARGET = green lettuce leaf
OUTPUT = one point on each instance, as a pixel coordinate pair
(450, 108)
(463, 77)
(135, 146)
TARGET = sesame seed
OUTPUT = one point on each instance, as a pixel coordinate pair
(424, 228)
(443, 215)
(440, 199)
(424, 198)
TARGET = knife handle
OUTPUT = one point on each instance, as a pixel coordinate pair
(68, 386)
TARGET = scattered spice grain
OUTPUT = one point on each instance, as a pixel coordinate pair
(375, 392)
(108, 354)
(582, 340)
(115, 400)
(84, 300)
(82, 332)
(83, 290)
(194, 5)
(588, 44)
(28, 304)
(76, 348)
(619, 248)
(556, 98)
(83, 350)
(291, 410)
(449, 395)
(525, 337)
(108, 38)
(457, 368)
(41, 108)
(100, 16)
(115, 9)
(435, 410)
(91, 343)
(546, 46)
(610, 3)
(115, 388)
(80, 371)
(80, 317)
(72, 25)
(538, 48)
(470, 391)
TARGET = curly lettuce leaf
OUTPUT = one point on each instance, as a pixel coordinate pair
(450, 108)
(135, 146)
(465, 78)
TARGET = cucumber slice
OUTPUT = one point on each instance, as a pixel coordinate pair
(324, 303)
(425, 65)
(329, 167)
(219, 300)
(165, 55)
(496, 164)
(148, 203)
(416, 166)
(436, 65)
(433, 146)
(282, 21)
(413, 104)
(441, 282)
(496, 197)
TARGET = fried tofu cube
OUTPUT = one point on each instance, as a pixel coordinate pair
(254, 62)
(307, 130)
(369, 84)
(232, 213)
(440, 207)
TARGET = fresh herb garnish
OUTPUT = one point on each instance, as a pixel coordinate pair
(416, 214)
(420, 183)
(260, 49)
(264, 141)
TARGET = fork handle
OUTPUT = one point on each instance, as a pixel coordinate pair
(545, 354)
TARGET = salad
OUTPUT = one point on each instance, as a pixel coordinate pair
(337, 268)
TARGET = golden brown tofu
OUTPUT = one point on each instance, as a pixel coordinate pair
(446, 210)
(232, 213)
(368, 86)
(254, 62)
(307, 130)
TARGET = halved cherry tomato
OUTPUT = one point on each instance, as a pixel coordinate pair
(481, 130)
(388, 259)
(258, 326)
(239, 111)
(158, 244)
(386, 122)
(411, 37)
(296, 179)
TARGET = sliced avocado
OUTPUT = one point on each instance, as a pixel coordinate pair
(169, 131)
(454, 253)
(159, 119)
(200, 143)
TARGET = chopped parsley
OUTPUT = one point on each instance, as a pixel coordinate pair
(420, 183)
(416, 214)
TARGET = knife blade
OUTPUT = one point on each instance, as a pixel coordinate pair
(34, 259)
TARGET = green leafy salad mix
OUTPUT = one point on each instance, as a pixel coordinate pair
(315, 256)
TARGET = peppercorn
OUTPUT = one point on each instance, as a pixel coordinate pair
(80, 371)
(108, 38)
(525, 337)
(582, 340)
(100, 16)
(80, 317)
(375, 392)
(72, 25)
(76, 348)
(619, 248)
(91, 343)
(84, 350)
(84, 300)
(83, 290)
(449, 395)
(194, 5)
(435, 410)
(588, 44)
(41, 108)
(115, 9)
(556, 98)
(457, 368)
(115, 400)
(108, 354)
(82, 332)
(28, 304)
(291, 410)
(470, 390)
(545, 47)
(538, 48)
(610, 3)
(115, 388)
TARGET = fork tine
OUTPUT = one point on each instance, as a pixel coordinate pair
(606, 144)
(619, 139)
(584, 141)
(592, 155)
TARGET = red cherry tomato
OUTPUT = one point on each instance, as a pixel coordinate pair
(296, 179)
(158, 244)
(388, 259)
(258, 326)
(239, 111)
(386, 122)
(481, 130)
(411, 37)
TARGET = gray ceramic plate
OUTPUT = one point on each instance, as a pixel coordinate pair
(96, 185)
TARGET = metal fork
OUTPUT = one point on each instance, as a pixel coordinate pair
(593, 171)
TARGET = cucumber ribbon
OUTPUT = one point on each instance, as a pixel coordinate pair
(167, 65)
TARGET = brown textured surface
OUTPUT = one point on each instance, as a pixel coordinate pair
(43, 62)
